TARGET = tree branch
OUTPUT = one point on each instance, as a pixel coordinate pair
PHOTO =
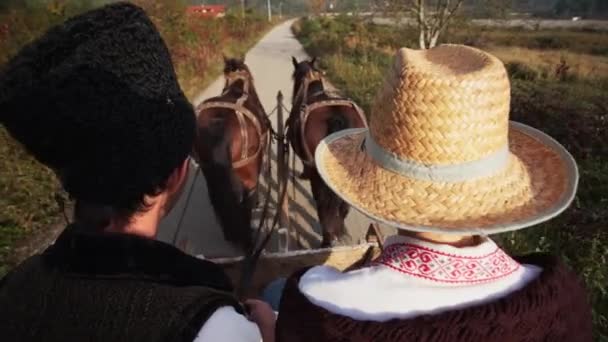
(450, 14)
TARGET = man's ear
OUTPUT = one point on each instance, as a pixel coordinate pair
(175, 185)
(178, 177)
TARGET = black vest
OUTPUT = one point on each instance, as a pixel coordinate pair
(110, 287)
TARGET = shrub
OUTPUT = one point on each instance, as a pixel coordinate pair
(548, 42)
(522, 71)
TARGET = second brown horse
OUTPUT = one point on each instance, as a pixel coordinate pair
(316, 113)
(233, 133)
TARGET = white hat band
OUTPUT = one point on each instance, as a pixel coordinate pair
(462, 172)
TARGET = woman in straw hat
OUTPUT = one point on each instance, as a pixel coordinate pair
(442, 163)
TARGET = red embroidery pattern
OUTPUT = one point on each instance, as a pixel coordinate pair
(443, 267)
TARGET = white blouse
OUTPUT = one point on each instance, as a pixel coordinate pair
(414, 277)
(227, 325)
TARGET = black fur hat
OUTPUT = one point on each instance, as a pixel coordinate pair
(97, 100)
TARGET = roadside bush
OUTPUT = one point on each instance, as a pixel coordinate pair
(522, 71)
(548, 42)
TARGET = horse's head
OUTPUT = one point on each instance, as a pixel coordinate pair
(237, 73)
(304, 71)
(232, 65)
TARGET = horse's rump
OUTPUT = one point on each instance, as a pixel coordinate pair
(247, 135)
(318, 120)
(243, 131)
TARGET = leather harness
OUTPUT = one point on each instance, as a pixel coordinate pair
(243, 114)
(307, 108)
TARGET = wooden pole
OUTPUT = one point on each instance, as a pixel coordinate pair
(374, 235)
(282, 171)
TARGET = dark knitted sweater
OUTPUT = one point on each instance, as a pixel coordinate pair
(110, 287)
(552, 307)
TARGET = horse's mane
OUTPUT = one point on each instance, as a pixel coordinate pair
(232, 65)
(301, 71)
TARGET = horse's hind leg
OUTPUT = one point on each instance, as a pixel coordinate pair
(225, 189)
(331, 210)
(263, 172)
(307, 172)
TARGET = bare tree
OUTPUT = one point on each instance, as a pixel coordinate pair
(433, 17)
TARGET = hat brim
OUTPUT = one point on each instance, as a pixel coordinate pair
(538, 184)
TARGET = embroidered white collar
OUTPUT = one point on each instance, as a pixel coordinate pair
(446, 264)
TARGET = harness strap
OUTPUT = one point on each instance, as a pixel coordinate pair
(235, 76)
(305, 109)
(242, 113)
(305, 113)
(302, 92)
(242, 162)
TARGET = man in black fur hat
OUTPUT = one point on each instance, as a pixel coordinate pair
(97, 100)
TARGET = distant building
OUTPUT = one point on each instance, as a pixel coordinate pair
(207, 11)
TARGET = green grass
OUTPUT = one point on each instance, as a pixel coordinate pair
(27, 189)
(569, 105)
(582, 41)
(26, 197)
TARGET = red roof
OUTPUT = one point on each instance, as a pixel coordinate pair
(206, 10)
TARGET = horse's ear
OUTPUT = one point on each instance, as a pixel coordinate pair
(314, 60)
(225, 58)
(294, 61)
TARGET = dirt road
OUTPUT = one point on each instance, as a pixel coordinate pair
(192, 224)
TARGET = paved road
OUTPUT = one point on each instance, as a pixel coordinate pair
(199, 232)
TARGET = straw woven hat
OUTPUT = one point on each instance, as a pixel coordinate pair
(441, 155)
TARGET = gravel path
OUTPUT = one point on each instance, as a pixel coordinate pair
(198, 232)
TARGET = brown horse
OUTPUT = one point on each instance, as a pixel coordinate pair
(233, 133)
(317, 112)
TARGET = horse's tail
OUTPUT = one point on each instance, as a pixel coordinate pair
(228, 196)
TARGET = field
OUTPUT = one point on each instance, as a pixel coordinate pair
(559, 82)
(28, 205)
